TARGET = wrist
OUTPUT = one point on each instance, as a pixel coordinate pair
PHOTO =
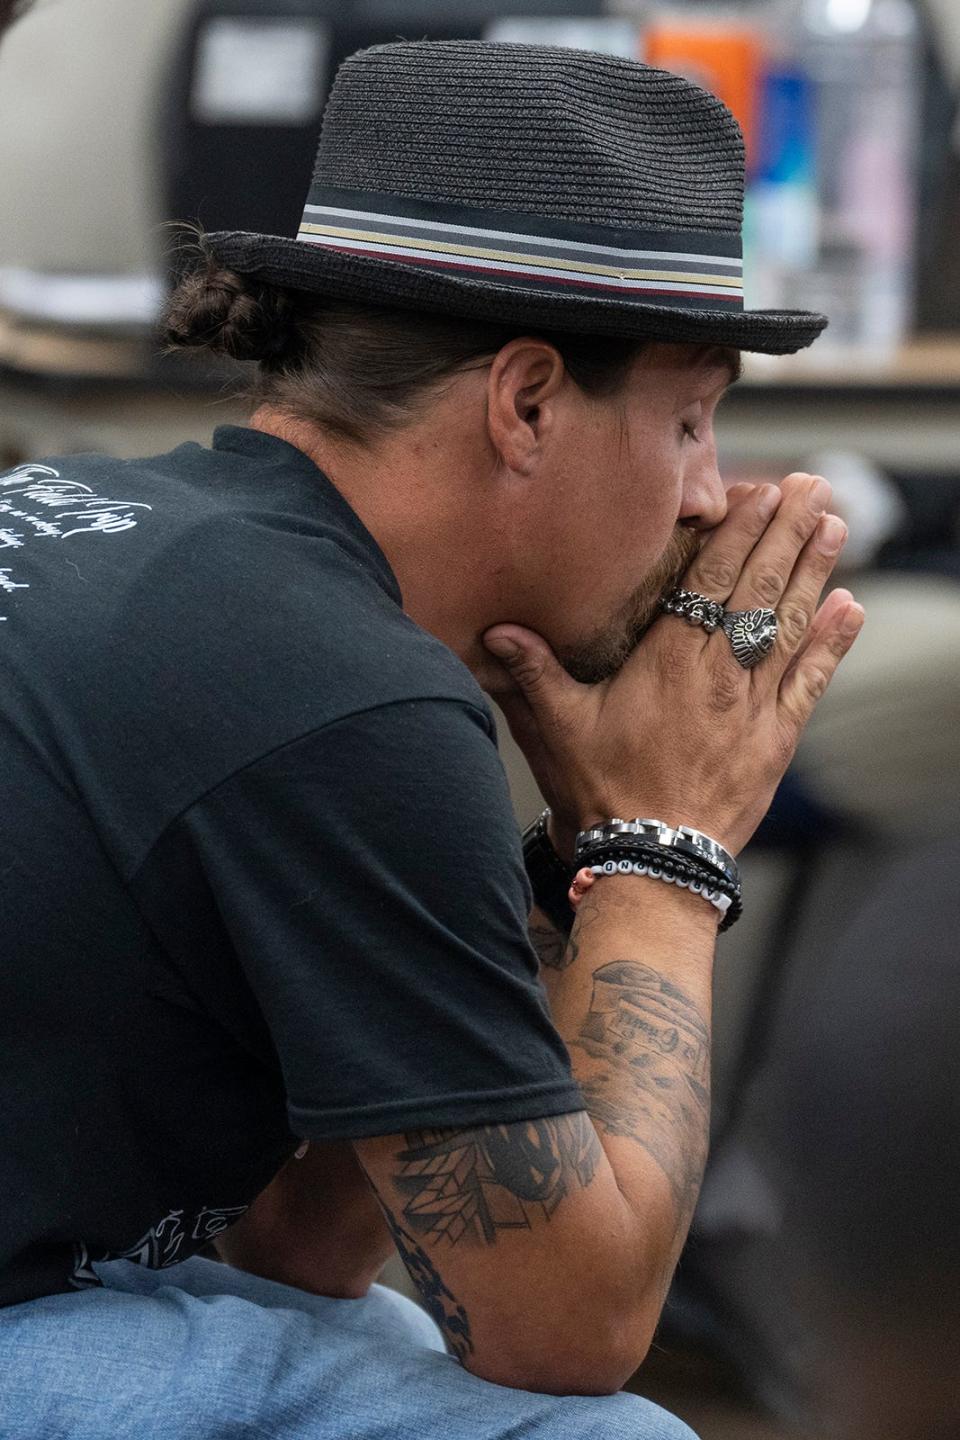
(623, 904)
(563, 837)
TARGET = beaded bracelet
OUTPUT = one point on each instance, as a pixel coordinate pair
(644, 858)
(588, 875)
(717, 899)
(643, 849)
(667, 864)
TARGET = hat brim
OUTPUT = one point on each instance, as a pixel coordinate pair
(283, 261)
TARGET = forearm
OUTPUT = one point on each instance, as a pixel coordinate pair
(630, 995)
(316, 1226)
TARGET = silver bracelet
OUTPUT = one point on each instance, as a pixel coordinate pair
(682, 838)
(716, 898)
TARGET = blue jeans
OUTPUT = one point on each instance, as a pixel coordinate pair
(206, 1352)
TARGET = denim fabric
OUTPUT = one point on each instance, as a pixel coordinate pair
(206, 1352)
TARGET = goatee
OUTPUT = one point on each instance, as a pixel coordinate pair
(608, 649)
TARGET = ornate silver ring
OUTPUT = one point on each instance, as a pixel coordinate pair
(752, 635)
(694, 608)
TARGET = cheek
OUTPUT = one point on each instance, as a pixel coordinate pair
(621, 538)
(650, 500)
(612, 514)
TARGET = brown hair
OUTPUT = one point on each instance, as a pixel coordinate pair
(356, 370)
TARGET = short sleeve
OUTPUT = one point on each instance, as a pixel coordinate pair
(371, 880)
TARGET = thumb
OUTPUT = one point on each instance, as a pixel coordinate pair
(532, 666)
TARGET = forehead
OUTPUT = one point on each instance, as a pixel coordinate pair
(684, 364)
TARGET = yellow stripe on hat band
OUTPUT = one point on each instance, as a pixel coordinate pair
(416, 245)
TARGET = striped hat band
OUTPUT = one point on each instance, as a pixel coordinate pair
(681, 269)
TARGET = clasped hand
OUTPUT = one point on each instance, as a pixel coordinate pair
(682, 732)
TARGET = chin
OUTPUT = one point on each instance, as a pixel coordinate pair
(600, 655)
(607, 651)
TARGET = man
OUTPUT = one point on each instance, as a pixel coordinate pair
(261, 882)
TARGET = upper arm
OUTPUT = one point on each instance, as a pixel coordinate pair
(370, 882)
(520, 1244)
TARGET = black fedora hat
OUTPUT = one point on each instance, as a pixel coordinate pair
(530, 185)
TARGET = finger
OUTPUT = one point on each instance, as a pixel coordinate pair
(718, 566)
(826, 617)
(800, 599)
(542, 689)
(740, 492)
(767, 571)
(806, 681)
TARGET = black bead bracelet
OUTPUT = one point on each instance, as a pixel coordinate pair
(670, 865)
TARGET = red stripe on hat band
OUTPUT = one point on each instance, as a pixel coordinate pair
(477, 271)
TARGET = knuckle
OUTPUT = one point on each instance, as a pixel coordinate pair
(794, 621)
(802, 527)
(815, 681)
(528, 671)
(768, 586)
(717, 574)
(673, 665)
(725, 689)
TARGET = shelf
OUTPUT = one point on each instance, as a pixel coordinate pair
(46, 353)
(930, 362)
(77, 390)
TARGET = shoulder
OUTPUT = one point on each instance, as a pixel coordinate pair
(185, 615)
(222, 567)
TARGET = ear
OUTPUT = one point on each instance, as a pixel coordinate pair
(523, 385)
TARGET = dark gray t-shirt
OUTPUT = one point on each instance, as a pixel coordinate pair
(259, 874)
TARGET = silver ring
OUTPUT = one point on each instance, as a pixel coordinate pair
(696, 609)
(752, 635)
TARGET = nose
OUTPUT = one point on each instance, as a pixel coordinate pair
(703, 502)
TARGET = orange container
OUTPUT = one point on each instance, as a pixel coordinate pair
(725, 57)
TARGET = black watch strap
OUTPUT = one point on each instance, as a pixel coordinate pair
(548, 875)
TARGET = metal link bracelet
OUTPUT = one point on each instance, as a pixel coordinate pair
(682, 838)
(629, 854)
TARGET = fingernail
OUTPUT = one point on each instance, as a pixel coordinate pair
(853, 618)
(768, 500)
(503, 647)
(831, 534)
(820, 496)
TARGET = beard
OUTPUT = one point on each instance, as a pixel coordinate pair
(608, 649)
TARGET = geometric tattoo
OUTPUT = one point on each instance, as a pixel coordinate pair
(472, 1183)
(441, 1305)
(653, 1083)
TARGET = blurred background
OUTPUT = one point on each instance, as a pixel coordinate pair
(820, 1291)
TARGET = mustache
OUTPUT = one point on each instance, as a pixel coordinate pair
(643, 607)
(683, 549)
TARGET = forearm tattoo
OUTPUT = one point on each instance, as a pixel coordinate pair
(550, 946)
(440, 1303)
(470, 1184)
(555, 951)
(653, 1083)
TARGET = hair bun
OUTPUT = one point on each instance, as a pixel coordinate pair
(229, 314)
